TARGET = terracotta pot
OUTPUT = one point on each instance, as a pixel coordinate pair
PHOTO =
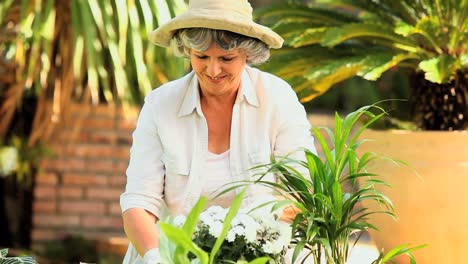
(432, 204)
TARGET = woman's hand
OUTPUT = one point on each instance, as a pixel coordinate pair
(289, 213)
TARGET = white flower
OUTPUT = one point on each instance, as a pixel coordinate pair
(285, 233)
(8, 160)
(213, 213)
(215, 228)
(274, 247)
(231, 236)
(258, 232)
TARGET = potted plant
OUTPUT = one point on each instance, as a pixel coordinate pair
(335, 40)
(328, 193)
(213, 236)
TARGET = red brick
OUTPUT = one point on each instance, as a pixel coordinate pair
(97, 151)
(104, 193)
(45, 164)
(56, 220)
(102, 222)
(71, 136)
(122, 152)
(46, 178)
(121, 167)
(108, 111)
(65, 164)
(124, 139)
(70, 192)
(44, 206)
(45, 192)
(98, 124)
(118, 180)
(57, 149)
(99, 234)
(102, 137)
(43, 234)
(84, 207)
(127, 125)
(84, 179)
(96, 165)
(90, 136)
(114, 208)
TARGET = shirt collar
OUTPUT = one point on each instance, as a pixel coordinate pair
(191, 98)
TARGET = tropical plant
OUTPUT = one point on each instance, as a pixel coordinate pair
(59, 52)
(331, 41)
(329, 193)
(176, 243)
(14, 260)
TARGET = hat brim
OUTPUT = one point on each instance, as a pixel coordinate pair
(162, 35)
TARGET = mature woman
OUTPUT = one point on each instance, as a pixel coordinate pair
(211, 126)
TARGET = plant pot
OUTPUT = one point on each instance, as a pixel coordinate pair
(431, 205)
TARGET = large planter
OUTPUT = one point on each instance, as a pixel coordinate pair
(432, 204)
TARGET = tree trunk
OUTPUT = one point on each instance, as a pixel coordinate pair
(440, 106)
(5, 237)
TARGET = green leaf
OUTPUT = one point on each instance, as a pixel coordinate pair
(4, 8)
(235, 206)
(192, 217)
(386, 64)
(404, 29)
(400, 250)
(262, 260)
(439, 69)
(183, 240)
(191, 222)
(337, 35)
(306, 37)
(324, 76)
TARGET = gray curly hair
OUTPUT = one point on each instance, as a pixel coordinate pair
(200, 39)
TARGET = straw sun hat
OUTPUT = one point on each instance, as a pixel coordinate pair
(230, 15)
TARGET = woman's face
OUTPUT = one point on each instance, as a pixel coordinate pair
(219, 72)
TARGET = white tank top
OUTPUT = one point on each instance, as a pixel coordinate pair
(217, 174)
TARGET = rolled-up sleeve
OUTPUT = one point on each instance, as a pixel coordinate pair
(145, 172)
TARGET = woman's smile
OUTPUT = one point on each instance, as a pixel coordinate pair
(216, 79)
(219, 71)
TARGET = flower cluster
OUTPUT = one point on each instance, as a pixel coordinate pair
(250, 236)
(8, 160)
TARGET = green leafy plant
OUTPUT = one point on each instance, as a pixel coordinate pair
(60, 52)
(14, 260)
(329, 193)
(21, 160)
(335, 40)
(176, 243)
(71, 249)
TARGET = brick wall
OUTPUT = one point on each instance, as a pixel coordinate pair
(77, 191)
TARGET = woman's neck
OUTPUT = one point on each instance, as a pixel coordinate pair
(223, 101)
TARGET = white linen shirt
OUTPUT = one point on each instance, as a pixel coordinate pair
(170, 142)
